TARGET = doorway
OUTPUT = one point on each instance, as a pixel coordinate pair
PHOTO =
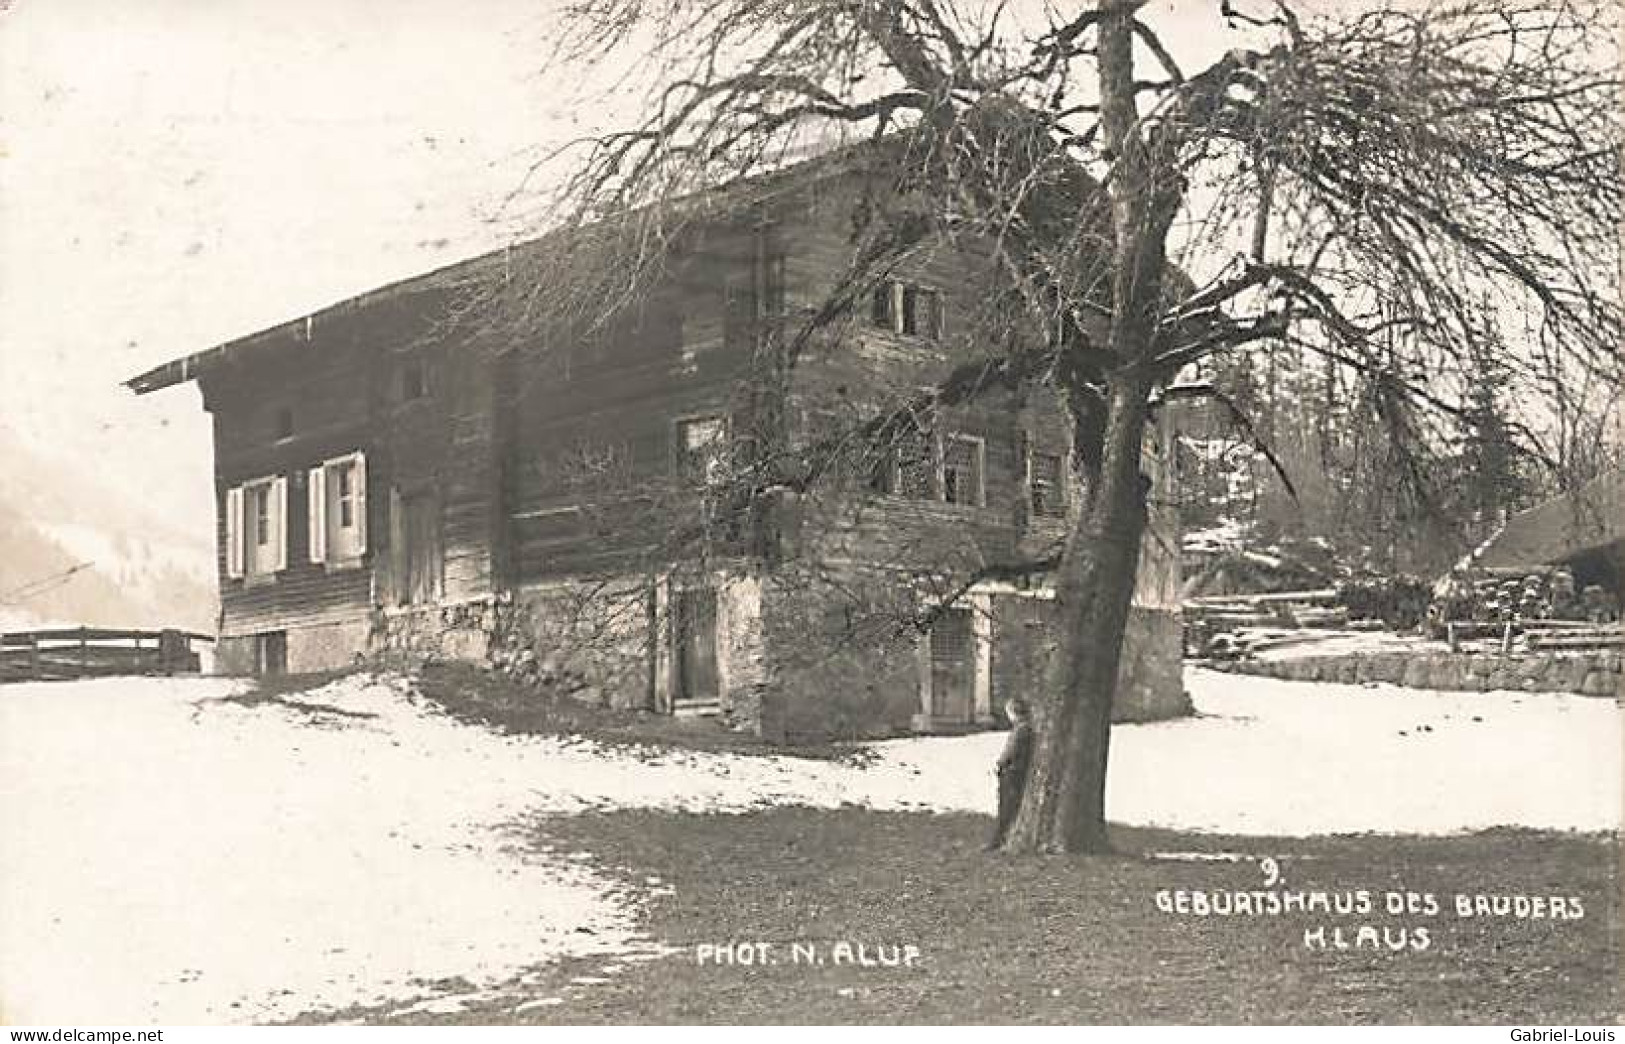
(271, 653)
(694, 652)
(953, 667)
(419, 559)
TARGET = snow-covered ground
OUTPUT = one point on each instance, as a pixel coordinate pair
(1282, 644)
(168, 857)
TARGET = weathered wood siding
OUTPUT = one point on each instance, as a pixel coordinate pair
(594, 460)
(592, 466)
(342, 383)
(863, 369)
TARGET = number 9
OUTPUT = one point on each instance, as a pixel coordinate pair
(1272, 871)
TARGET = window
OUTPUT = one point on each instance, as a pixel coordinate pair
(344, 483)
(260, 496)
(919, 312)
(916, 467)
(284, 423)
(701, 449)
(962, 470)
(256, 532)
(880, 306)
(336, 496)
(906, 308)
(907, 467)
(414, 380)
(1047, 485)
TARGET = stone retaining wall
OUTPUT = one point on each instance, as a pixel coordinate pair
(1588, 673)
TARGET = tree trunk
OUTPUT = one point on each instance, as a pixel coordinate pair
(1063, 805)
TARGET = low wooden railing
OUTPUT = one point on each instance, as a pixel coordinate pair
(80, 652)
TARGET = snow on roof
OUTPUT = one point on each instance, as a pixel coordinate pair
(1585, 519)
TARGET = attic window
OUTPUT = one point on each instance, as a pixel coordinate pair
(414, 381)
(284, 423)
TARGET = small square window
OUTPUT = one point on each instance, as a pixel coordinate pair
(701, 448)
(907, 309)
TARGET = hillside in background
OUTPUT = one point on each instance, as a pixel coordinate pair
(74, 550)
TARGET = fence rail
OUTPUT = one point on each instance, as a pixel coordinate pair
(79, 652)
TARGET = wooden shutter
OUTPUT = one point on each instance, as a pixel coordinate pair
(360, 502)
(316, 510)
(234, 532)
(279, 520)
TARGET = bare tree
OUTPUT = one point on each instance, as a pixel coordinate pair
(1408, 193)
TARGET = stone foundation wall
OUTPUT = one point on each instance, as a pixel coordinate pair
(326, 647)
(835, 674)
(591, 641)
(462, 631)
(331, 646)
(795, 662)
(1591, 674)
(1150, 681)
(234, 656)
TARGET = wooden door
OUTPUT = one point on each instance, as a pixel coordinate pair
(953, 667)
(419, 557)
(272, 649)
(694, 634)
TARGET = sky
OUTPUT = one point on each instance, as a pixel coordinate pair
(175, 174)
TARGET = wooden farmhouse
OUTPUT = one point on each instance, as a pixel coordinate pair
(395, 475)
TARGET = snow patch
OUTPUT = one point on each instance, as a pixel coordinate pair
(171, 858)
(174, 855)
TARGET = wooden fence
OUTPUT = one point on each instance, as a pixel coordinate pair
(82, 652)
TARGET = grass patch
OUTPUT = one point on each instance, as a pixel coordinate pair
(496, 701)
(1067, 940)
